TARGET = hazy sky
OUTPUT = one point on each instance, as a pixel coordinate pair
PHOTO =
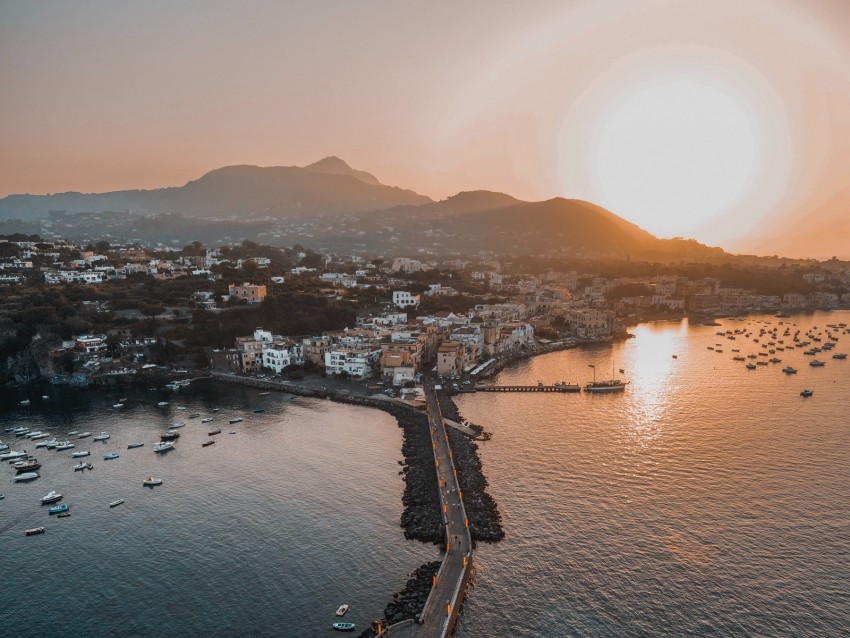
(724, 120)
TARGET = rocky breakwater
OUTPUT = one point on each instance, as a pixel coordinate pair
(410, 601)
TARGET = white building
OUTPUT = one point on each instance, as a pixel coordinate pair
(404, 299)
(359, 363)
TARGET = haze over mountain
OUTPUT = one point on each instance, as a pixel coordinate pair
(366, 214)
(325, 187)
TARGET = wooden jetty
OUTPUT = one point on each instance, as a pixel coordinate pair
(563, 387)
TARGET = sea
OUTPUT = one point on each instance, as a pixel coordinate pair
(291, 513)
(706, 500)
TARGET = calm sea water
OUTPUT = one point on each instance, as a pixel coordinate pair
(706, 500)
(264, 533)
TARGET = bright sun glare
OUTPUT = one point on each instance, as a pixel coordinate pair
(674, 154)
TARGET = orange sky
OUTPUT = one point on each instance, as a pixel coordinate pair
(726, 121)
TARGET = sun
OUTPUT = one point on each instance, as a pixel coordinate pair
(674, 154)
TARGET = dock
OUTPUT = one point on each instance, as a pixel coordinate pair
(528, 388)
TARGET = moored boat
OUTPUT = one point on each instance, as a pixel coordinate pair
(65, 445)
(341, 610)
(807, 393)
(206, 419)
(80, 454)
(614, 385)
(163, 446)
(207, 443)
(101, 437)
(58, 509)
(789, 370)
(79, 467)
(116, 503)
(130, 446)
(171, 435)
(214, 432)
(51, 497)
(150, 481)
(816, 364)
(27, 466)
(14, 455)
(83, 435)
(34, 530)
(110, 455)
(176, 424)
(236, 420)
(343, 626)
(26, 476)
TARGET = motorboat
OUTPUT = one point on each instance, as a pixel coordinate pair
(116, 503)
(162, 404)
(177, 424)
(807, 393)
(27, 466)
(32, 433)
(341, 610)
(839, 355)
(3, 447)
(58, 509)
(51, 443)
(25, 402)
(236, 420)
(110, 455)
(181, 407)
(14, 455)
(73, 433)
(259, 410)
(33, 531)
(65, 445)
(751, 366)
(207, 443)
(84, 435)
(816, 364)
(26, 476)
(206, 419)
(80, 454)
(151, 481)
(614, 385)
(171, 435)
(194, 416)
(264, 394)
(101, 437)
(163, 446)
(343, 626)
(214, 432)
(79, 467)
(130, 446)
(51, 497)
(789, 370)
(118, 405)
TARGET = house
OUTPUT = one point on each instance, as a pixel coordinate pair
(226, 360)
(404, 299)
(449, 359)
(358, 363)
(253, 293)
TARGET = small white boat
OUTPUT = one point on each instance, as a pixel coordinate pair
(47, 443)
(14, 455)
(162, 404)
(118, 405)
(343, 626)
(25, 402)
(51, 497)
(31, 433)
(163, 446)
(176, 424)
(82, 466)
(116, 503)
(151, 481)
(130, 446)
(181, 407)
(101, 437)
(65, 445)
(39, 436)
(73, 433)
(84, 435)
(79, 455)
(206, 419)
(26, 476)
(3, 447)
(342, 610)
(236, 420)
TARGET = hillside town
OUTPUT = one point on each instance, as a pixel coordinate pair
(79, 314)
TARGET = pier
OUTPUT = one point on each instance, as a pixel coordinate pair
(439, 616)
(528, 388)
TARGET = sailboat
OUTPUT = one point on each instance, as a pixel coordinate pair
(613, 385)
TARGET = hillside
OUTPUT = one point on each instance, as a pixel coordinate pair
(329, 186)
